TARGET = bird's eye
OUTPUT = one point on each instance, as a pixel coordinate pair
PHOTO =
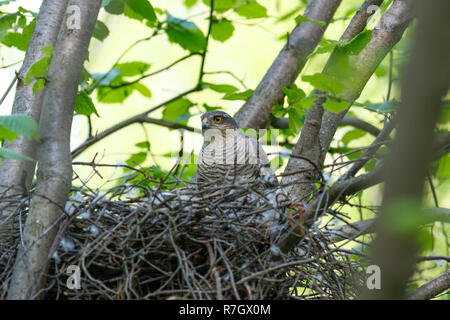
(218, 119)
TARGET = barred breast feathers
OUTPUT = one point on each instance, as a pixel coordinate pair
(236, 155)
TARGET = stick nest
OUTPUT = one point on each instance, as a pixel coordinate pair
(183, 244)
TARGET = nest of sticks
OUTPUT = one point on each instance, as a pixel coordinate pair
(179, 243)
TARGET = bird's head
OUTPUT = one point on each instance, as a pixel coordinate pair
(218, 120)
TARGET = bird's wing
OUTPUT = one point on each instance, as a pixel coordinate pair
(258, 156)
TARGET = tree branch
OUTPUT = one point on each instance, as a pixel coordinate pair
(386, 34)
(302, 41)
(432, 288)
(16, 175)
(352, 230)
(283, 123)
(143, 117)
(54, 176)
(371, 150)
(359, 228)
(140, 118)
(360, 19)
(150, 74)
(337, 191)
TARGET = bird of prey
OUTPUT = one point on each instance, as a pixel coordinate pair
(230, 156)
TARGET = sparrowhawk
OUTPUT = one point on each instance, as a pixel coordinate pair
(230, 156)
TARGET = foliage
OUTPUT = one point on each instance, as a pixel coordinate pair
(13, 125)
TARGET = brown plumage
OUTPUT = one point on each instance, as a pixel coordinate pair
(228, 155)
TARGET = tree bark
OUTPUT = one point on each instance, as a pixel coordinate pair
(255, 113)
(54, 174)
(425, 82)
(320, 126)
(432, 288)
(16, 175)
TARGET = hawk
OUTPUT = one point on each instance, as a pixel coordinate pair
(228, 155)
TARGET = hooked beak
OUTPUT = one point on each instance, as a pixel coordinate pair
(205, 126)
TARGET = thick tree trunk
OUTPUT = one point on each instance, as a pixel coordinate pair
(54, 174)
(16, 175)
(425, 83)
(255, 113)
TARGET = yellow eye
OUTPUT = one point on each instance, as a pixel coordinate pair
(218, 119)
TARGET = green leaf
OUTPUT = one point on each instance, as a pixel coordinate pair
(84, 104)
(39, 70)
(335, 106)
(354, 155)
(222, 5)
(23, 10)
(306, 103)
(251, 9)
(6, 23)
(244, 95)
(353, 135)
(115, 7)
(381, 71)
(185, 34)
(21, 124)
(444, 117)
(278, 110)
(5, 153)
(325, 82)
(326, 46)
(47, 51)
(135, 68)
(142, 89)
(20, 40)
(109, 95)
(300, 18)
(7, 134)
(221, 88)
(190, 3)
(175, 110)
(210, 108)
(101, 31)
(38, 85)
(142, 8)
(118, 95)
(143, 145)
(222, 30)
(295, 123)
(22, 22)
(293, 94)
(358, 43)
(443, 170)
(370, 165)
(136, 159)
